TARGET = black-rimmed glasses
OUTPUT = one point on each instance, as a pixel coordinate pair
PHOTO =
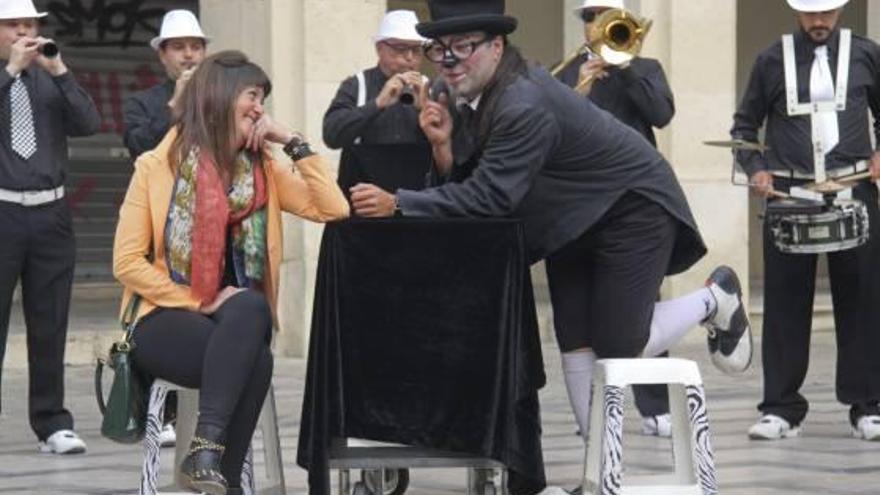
(437, 51)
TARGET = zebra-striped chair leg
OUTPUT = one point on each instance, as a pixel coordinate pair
(612, 441)
(704, 458)
(155, 413)
(248, 487)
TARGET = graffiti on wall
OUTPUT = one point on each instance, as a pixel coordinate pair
(108, 25)
(104, 22)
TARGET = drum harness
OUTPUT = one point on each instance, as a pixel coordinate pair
(817, 109)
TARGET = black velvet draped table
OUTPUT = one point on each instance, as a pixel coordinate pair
(424, 333)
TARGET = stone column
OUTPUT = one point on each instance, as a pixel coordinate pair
(307, 47)
(696, 43)
(874, 20)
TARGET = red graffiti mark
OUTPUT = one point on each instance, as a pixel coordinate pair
(144, 78)
(115, 102)
(108, 91)
(80, 195)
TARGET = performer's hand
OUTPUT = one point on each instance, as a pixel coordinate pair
(21, 54)
(222, 297)
(435, 120)
(391, 92)
(875, 165)
(371, 201)
(762, 183)
(593, 69)
(180, 85)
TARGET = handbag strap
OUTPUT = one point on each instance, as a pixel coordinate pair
(130, 316)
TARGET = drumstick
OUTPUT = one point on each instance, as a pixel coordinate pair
(854, 177)
(774, 193)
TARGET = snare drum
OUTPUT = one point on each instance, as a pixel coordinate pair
(809, 227)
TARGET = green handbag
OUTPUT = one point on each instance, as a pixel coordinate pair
(125, 411)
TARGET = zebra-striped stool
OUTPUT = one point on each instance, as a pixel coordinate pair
(187, 410)
(694, 472)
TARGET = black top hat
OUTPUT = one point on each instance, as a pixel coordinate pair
(461, 16)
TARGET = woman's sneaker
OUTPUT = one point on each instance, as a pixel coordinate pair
(772, 427)
(730, 335)
(63, 442)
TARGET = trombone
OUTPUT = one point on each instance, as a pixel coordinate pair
(616, 36)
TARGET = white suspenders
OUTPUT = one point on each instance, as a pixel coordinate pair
(362, 96)
(812, 109)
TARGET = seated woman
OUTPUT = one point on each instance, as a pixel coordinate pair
(199, 239)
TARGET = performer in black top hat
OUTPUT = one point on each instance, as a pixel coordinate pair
(598, 202)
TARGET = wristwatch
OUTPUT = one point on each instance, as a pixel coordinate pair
(297, 148)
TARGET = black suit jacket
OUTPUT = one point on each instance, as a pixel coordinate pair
(638, 95)
(147, 118)
(556, 160)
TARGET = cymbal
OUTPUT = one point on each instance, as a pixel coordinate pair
(839, 184)
(738, 144)
(827, 187)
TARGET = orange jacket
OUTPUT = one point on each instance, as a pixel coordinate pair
(311, 194)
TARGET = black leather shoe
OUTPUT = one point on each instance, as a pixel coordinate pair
(729, 331)
(200, 469)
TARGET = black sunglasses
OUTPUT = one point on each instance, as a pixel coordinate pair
(588, 15)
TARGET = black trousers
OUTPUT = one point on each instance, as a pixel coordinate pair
(789, 286)
(38, 247)
(603, 285)
(225, 355)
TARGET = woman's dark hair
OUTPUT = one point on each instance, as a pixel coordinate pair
(205, 114)
(511, 66)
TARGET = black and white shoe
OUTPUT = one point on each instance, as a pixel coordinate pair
(730, 335)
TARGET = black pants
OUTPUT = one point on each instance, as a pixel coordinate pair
(603, 285)
(789, 285)
(225, 355)
(38, 247)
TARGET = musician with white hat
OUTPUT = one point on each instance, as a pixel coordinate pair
(374, 115)
(811, 91)
(639, 95)
(41, 105)
(181, 46)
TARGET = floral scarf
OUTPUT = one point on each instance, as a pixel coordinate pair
(200, 214)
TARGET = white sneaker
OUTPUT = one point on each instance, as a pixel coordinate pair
(772, 427)
(657, 426)
(167, 437)
(868, 428)
(63, 442)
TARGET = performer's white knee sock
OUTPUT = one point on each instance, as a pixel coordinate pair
(577, 367)
(674, 318)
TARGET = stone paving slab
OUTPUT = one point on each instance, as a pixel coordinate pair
(824, 460)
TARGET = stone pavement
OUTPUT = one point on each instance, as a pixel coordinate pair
(824, 460)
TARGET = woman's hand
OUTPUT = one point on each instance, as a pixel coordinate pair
(267, 129)
(222, 297)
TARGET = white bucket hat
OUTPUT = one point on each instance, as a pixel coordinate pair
(400, 25)
(19, 9)
(599, 4)
(178, 23)
(816, 5)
